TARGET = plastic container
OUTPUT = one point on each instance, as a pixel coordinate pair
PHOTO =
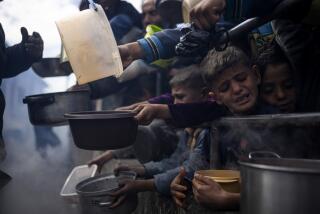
(78, 174)
(90, 45)
(229, 180)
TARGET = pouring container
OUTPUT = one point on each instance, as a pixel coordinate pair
(90, 45)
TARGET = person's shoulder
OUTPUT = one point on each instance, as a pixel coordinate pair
(264, 108)
(125, 4)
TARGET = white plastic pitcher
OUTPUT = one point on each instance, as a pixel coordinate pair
(90, 45)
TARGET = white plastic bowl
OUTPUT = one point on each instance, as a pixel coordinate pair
(78, 174)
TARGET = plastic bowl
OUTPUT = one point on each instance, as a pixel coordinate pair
(229, 180)
(78, 174)
(102, 130)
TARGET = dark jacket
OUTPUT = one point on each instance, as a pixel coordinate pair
(125, 8)
(13, 60)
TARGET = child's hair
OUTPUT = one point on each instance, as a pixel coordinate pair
(271, 56)
(216, 62)
(189, 77)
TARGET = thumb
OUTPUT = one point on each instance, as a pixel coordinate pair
(181, 175)
(25, 34)
(182, 172)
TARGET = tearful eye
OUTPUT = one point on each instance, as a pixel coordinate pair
(224, 87)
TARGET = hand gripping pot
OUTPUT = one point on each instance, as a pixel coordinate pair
(95, 196)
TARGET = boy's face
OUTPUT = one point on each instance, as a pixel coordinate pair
(237, 88)
(277, 87)
(184, 94)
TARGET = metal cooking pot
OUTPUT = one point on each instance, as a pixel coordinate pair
(280, 186)
(51, 67)
(49, 109)
(95, 196)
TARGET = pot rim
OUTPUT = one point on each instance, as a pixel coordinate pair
(90, 115)
(58, 93)
(262, 163)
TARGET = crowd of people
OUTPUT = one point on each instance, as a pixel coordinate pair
(263, 71)
(270, 69)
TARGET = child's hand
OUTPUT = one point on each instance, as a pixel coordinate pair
(130, 107)
(101, 159)
(129, 187)
(177, 189)
(208, 192)
(146, 113)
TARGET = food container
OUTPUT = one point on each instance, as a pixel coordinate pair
(94, 194)
(78, 174)
(229, 180)
(49, 109)
(280, 186)
(102, 130)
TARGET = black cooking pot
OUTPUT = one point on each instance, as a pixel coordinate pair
(94, 194)
(4, 179)
(280, 186)
(49, 109)
(102, 130)
(51, 67)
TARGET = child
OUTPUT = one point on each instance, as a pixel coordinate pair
(187, 86)
(234, 83)
(277, 86)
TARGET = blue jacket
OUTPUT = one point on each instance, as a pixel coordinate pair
(166, 170)
(162, 44)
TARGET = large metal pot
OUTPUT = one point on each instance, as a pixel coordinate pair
(280, 186)
(94, 194)
(49, 109)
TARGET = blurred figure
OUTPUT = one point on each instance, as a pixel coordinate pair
(14, 60)
(277, 83)
(121, 15)
(150, 14)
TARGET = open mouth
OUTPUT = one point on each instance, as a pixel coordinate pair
(285, 106)
(241, 100)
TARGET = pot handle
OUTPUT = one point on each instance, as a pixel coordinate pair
(41, 99)
(104, 204)
(258, 154)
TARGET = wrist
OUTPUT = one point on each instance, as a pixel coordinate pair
(163, 111)
(136, 52)
(230, 201)
(145, 185)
